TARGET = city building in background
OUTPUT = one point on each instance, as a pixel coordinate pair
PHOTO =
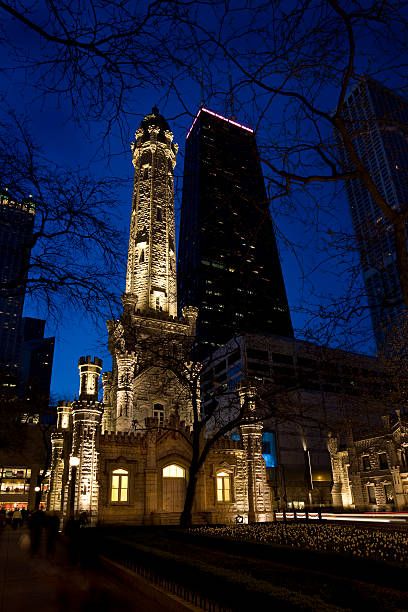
(24, 475)
(36, 366)
(16, 229)
(316, 390)
(228, 262)
(379, 118)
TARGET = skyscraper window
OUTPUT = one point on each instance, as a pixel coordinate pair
(226, 236)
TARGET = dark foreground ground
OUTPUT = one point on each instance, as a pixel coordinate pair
(245, 575)
(224, 572)
(58, 583)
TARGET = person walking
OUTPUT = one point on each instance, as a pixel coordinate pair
(36, 524)
(17, 519)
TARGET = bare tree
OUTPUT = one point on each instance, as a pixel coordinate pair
(286, 68)
(295, 65)
(74, 253)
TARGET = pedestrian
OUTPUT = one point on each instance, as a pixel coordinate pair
(36, 524)
(83, 519)
(52, 527)
(72, 532)
(17, 519)
(24, 513)
(2, 517)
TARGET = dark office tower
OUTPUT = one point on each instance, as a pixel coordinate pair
(228, 259)
(36, 365)
(16, 228)
(379, 118)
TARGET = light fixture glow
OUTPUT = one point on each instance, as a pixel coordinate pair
(206, 110)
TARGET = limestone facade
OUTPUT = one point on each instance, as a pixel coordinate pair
(127, 460)
(370, 470)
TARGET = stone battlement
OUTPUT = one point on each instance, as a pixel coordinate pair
(88, 360)
(123, 437)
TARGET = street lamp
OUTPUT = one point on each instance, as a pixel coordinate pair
(74, 463)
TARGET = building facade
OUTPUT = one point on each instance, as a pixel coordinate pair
(36, 366)
(16, 228)
(306, 392)
(370, 469)
(228, 262)
(378, 117)
(126, 460)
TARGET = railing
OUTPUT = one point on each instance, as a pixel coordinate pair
(297, 515)
(170, 586)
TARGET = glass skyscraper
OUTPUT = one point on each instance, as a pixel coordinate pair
(379, 119)
(228, 261)
(16, 229)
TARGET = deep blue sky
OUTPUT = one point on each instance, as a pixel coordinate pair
(64, 141)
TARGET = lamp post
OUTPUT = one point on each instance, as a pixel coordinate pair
(74, 463)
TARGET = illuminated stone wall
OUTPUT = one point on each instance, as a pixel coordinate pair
(151, 270)
(378, 460)
(120, 449)
(144, 456)
(259, 499)
(148, 336)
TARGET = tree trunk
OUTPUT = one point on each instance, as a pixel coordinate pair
(186, 518)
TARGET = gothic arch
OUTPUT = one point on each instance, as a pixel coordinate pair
(172, 488)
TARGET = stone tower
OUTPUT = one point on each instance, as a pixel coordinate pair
(259, 501)
(151, 269)
(148, 337)
(89, 373)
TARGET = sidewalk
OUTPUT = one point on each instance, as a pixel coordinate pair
(53, 584)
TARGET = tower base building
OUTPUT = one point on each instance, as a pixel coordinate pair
(127, 460)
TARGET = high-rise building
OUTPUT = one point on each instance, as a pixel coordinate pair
(379, 118)
(36, 365)
(16, 228)
(228, 262)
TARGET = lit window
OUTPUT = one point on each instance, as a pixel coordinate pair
(173, 471)
(223, 487)
(389, 494)
(120, 480)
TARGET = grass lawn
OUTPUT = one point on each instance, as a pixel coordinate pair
(245, 567)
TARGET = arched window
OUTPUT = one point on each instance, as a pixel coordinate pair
(223, 487)
(173, 471)
(159, 216)
(158, 413)
(120, 485)
(141, 256)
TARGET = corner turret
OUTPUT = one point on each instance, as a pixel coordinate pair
(89, 372)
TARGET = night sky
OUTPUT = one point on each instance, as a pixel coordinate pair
(64, 141)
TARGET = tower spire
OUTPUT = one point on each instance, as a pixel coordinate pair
(151, 269)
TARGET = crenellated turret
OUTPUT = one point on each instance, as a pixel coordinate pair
(89, 372)
(64, 412)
